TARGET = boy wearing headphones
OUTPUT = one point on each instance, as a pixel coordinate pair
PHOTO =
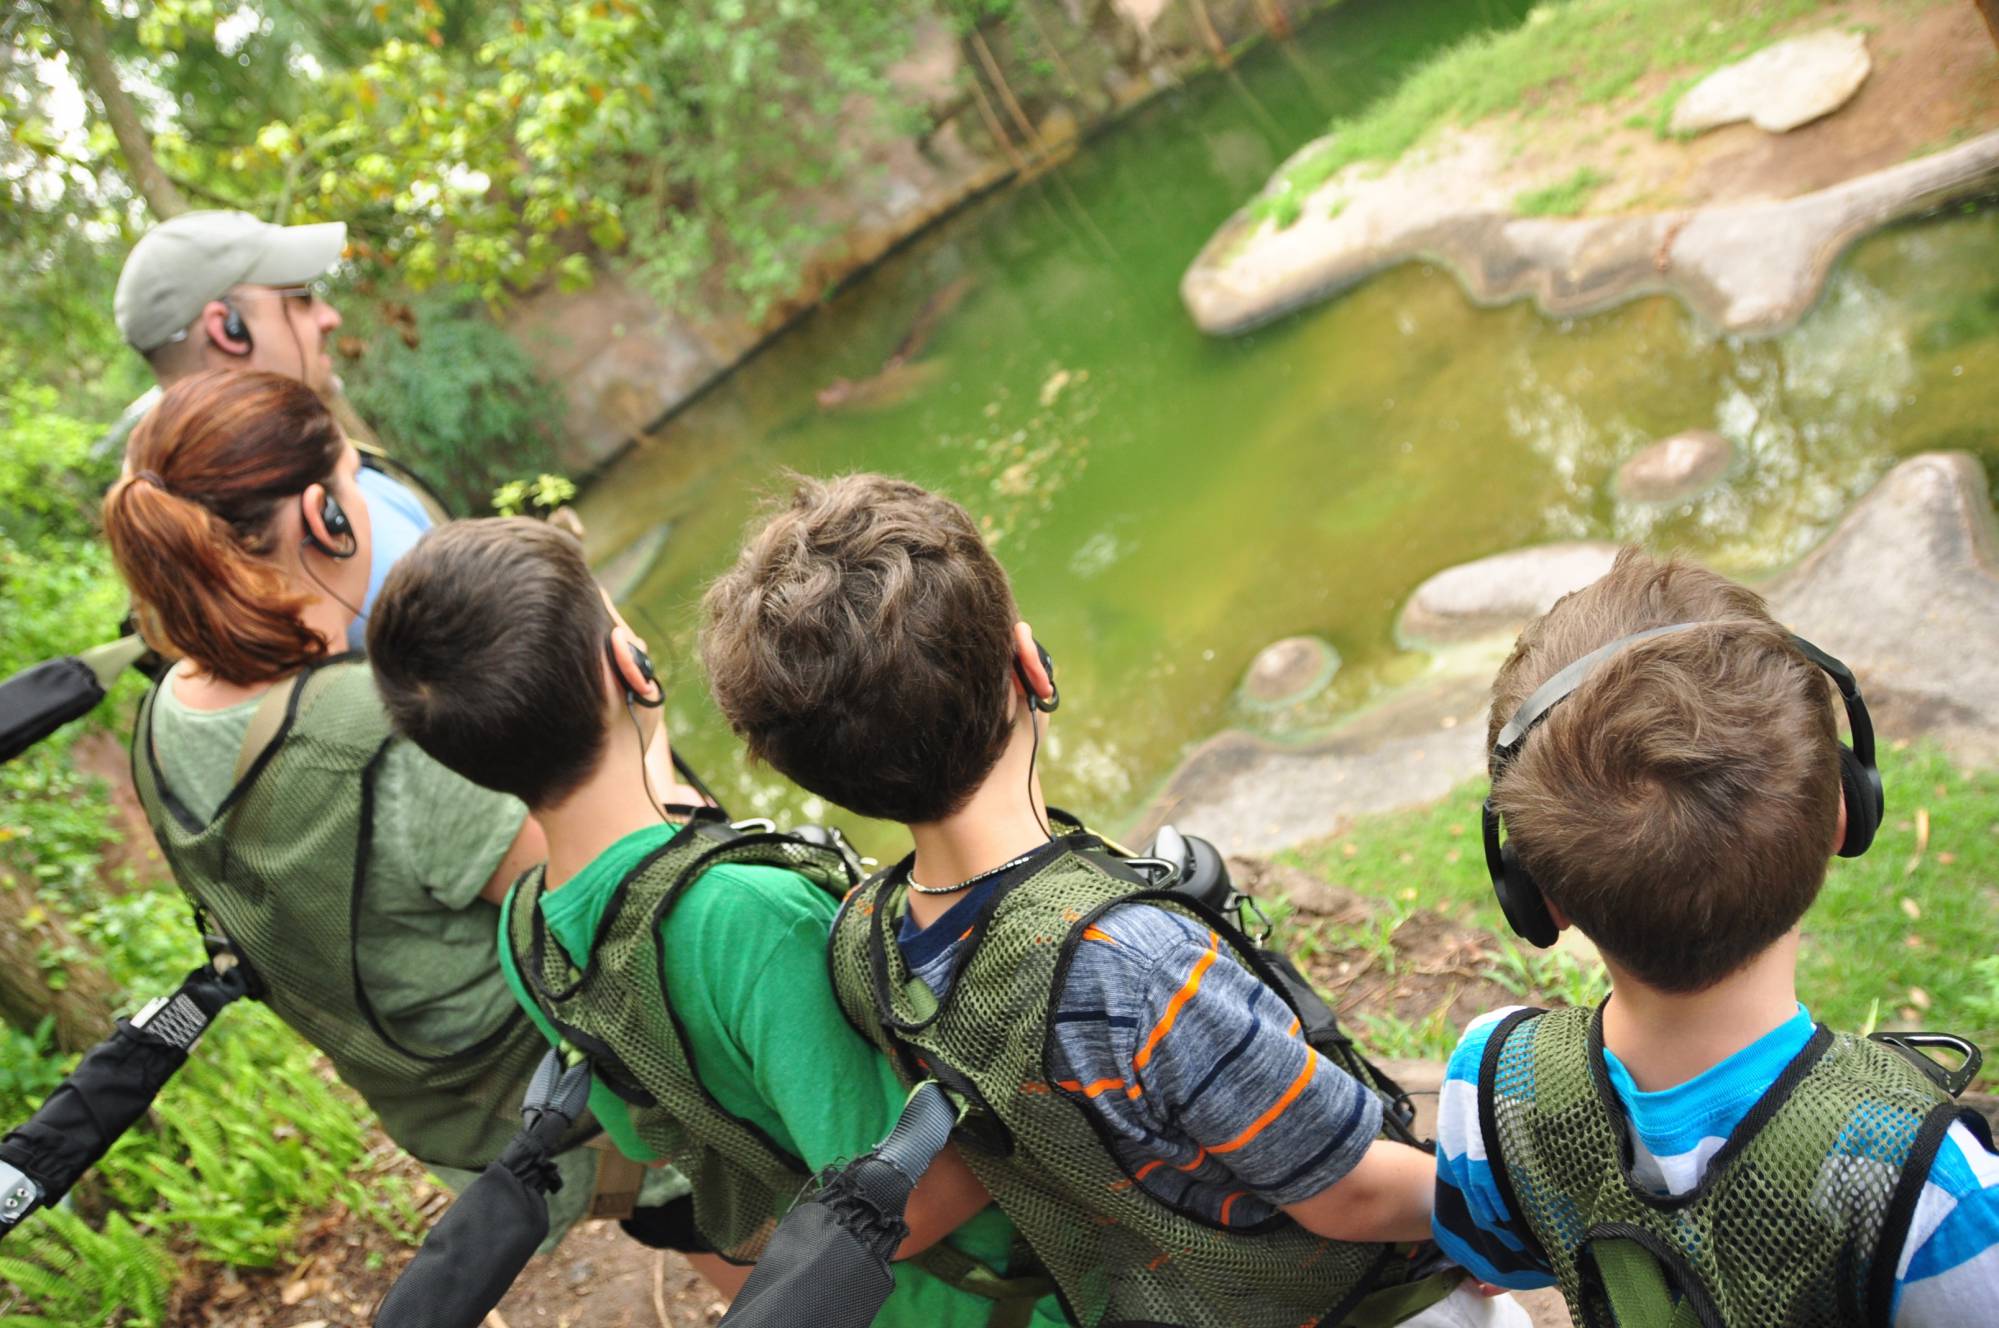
(1667, 773)
(684, 959)
(1137, 1100)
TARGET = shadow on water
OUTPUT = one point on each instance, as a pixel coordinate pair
(1168, 504)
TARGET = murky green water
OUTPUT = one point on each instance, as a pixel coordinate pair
(1169, 504)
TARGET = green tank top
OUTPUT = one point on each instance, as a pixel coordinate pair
(1798, 1220)
(1118, 1255)
(614, 1010)
(280, 870)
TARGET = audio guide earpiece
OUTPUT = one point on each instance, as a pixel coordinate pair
(334, 518)
(644, 662)
(234, 327)
(1520, 897)
(1034, 699)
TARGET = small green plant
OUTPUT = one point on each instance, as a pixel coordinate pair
(73, 1274)
(1565, 198)
(538, 496)
(1554, 976)
(1389, 1035)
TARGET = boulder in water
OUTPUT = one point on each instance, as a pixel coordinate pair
(1289, 671)
(1780, 87)
(1675, 469)
(1498, 593)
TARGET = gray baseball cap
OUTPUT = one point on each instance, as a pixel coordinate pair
(184, 262)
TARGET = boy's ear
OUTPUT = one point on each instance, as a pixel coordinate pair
(1027, 665)
(1562, 920)
(1839, 828)
(627, 673)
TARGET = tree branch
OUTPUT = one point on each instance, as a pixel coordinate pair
(82, 36)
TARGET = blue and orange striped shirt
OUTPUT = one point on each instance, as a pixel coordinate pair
(1196, 1072)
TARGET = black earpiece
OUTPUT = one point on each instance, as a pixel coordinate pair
(1034, 699)
(234, 327)
(644, 661)
(337, 525)
(1520, 897)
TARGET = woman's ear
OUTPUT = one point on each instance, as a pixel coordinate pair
(312, 521)
(1027, 665)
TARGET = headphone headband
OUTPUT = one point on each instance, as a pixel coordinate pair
(1520, 897)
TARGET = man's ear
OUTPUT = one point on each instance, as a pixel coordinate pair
(213, 319)
(1027, 665)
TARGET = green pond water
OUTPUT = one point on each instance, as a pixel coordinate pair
(1168, 504)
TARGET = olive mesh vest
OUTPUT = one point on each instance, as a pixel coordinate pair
(1118, 1254)
(280, 870)
(1797, 1222)
(614, 1009)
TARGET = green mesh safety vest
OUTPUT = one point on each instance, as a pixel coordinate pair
(1118, 1254)
(614, 1009)
(280, 871)
(1798, 1221)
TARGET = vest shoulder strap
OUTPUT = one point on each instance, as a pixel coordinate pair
(264, 724)
(609, 1109)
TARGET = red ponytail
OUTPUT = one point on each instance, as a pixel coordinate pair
(190, 523)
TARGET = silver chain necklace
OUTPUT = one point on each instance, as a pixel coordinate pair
(967, 884)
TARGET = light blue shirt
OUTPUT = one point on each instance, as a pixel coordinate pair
(396, 520)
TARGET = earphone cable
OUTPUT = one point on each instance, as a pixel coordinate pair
(645, 772)
(1034, 751)
(330, 593)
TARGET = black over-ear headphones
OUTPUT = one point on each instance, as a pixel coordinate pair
(644, 661)
(337, 525)
(233, 325)
(1520, 897)
(1034, 700)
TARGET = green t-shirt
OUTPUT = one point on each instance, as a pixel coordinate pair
(746, 974)
(425, 940)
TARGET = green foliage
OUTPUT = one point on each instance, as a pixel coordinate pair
(543, 494)
(74, 1274)
(452, 395)
(1901, 934)
(1577, 52)
(1564, 198)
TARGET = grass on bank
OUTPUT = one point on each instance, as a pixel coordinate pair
(1565, 198)
(1903, 937)
(1568, 54)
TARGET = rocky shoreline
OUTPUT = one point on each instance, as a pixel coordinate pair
(1905, 589)
(1753, 269)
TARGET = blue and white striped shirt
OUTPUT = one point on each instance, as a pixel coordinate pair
(1948, 1275)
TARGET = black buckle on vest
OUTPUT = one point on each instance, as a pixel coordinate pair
(1914, 1046)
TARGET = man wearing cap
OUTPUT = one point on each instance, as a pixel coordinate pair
(223, 290)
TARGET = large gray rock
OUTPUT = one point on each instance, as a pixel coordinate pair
(1289, 671)
(1479, 598)
(1780, 87)
(1906, 591)
(1675, 469)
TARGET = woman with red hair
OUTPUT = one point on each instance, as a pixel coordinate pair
(357, 878)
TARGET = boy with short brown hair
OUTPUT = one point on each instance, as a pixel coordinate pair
(1668, 777)
(1139, 1101)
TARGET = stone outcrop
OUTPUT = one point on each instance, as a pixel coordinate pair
(1780, 87)
(1287, 672)
(1905, 589)
(1675, 469)
(1751, 267)
(1497, 593)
